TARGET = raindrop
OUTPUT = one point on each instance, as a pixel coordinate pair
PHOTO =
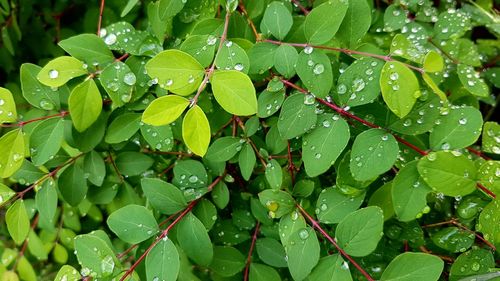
(238, 66)
(341, 89)
(358, 84)
(53, 74)
(318, 69)
(211, 40)
(46, 105)
(407, 123)
(309, 99)
(394, 76)
(303, 234)
(462, 121)
(326, 123)
(308, 50)
(229, 44)
(110, 39)
(129, 79)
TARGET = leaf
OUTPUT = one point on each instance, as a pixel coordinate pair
(449, 173)
(302, 250)
(394, 17)
(88, 48)
(315, 71)
(491, 132)
(382, 198)
(421, 119)
(473, 262)
(359, 232)
(68, 272)
(194, 240)
(453, 239)
(163, 196)
(331, 268)
(8, 113)
(36, 247)
(164, 110)
(133, 223)
(277, 202)
(11, 152)
(232, 56)
(36, 93)
(5, 193)
(133, 163)
(322, 146)
(433, 62)
(202, 48)
(18, 223)
(95, 255)
(119, 81)
(356, 23)
(73, 184)
(401, 46)
(271, 252)
(130, 5)
(459, 128)
(374, 152)
(261, 56)
(169, 8)
(413, 267)
(46, 140)
(123, 128)
(60, 70)
(227, 261)
(333, 206)
(158, 137)
(95, 168)
(285, 60)
(297, 116)
(223, 149)
(246, 161)
(409, 193)
(196, 131)
(46, 203)
(399, 96)
(176, 71)
(269, 103)
(274, 175)
(488, 222)
(260, 272)
(323, 21)
(451, 24)
(85, 105)
(163, 262)
(234, 91)
(277, 20)
(472, 82)
(220, 195)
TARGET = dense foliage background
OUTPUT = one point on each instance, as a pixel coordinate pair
(254, 140)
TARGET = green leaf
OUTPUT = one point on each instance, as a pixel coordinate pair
(190, 174)
(274, 175)
(409, 193)
(472, 82)
(413, 267)
(315, 71)
(88, 48)
(382, 198)
(421, 119)
(85, 105)
(277, 20)
(449, 173)
(322, 146)
(196, 131)
(246, 161)
(5, 193)
(297, 116)
(202, 48)
(123, 128)
(46, 203)
(333, 206)
(433, 62)
(73, 184)
(220, 195)
(269, 103)
(224, 149)
(453, 239)
(37, 94)
(95, 168)
(331, 268)
(95, 255)
(285, 60)
(11, 152)
(232, 56)
(459, 128)
(271, 252)
(302, 250)
(277, 202)
(234, 91)
(133, 223)
(194, 240)
(401, 46)
(260, 272)
(163, 262)
(169, 8)
(400, 88)
(374, 152)
(118, 80)
(488, 222)
(130, 5)
(356, 22)
(18, 223)
(176, 71)
(46, 140)
(323, 21)
(473, 262)
(164, 110)
(158, 137)
(133, 163)
(491, 132)
(60, 70)
(451, 24)
(67, 272)
(8, 113)
(394, 17)
(359, 232)
(261, 56)
(163, 196)
(227, 261)
(36, 247)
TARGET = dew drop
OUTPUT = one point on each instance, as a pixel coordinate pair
(110, 39)
(53, 74)
(318, 69)
(129, 79)
(308, 50)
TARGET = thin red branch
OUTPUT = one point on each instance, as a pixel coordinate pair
(291, 166)
(243, 10)
(250, 251)
(22, 123)
(302, 8)
(99, 22)
(478, 153)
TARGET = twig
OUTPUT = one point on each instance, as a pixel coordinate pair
(250, 251)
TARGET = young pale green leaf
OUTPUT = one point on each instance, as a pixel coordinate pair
(359, 232)
(73, 184)
(94, 167)
(400, 88)
(11, 152)
(303, 252)
(196, 131)
(409, 193)
(163, 262)
(459, 128)
(131, 163)
(37, 94)
(46, 203)
(234, 91)
(271, 252)
(374, 152)
(297, 116)
(260, 272)
(285, 60)
(95, 255)
(356, 22)
(274, 175)
(164, 110)
(59, 71)
(5, 193)
(169, 8)
(323, 21)
(176, 71)
(163, 196)
(448, 172)
(322, 146)
(194, 240)
(46, 140)
(227, 261)
(277, 202)
(8, 112)
(85, 105)
(88, 48)
(488, 222)
(433, 62)
(232, 56)
(123, 128)
(472, 82)
(277, 20)
(333, 206)
(491, 133)
(36, 247)
(18, 223)
(133, 223)
(413, 267)
(246, 161)
(224, 149)
(315, 70)
(331, 268)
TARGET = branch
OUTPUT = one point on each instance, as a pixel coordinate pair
(249, 257)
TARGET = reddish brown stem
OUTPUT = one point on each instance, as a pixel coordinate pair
(124, 56)
(291, 166)
(302, 8)
(22, 123)
(478, 153)
(444, 258)
(250, 251)
(249, 20)
(99, 22)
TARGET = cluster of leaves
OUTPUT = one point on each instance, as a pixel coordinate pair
(257, 140)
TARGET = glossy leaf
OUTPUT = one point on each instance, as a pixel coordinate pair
(414, 267)
(163, 262)
(196, 131)
(46, 140)
(333, 206)
(18, 223)
(88, 48)
(163, 196)
(133, 223)
(297, 116)
(356, 22)
(59, 71)
(323, 21)
(400, 88)
(277, 20)
(315, 70)
(164, 110)
(8, 112)
(302, 250)
(194, 240)
(85, 105)
(234, 91)
(11, 152)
